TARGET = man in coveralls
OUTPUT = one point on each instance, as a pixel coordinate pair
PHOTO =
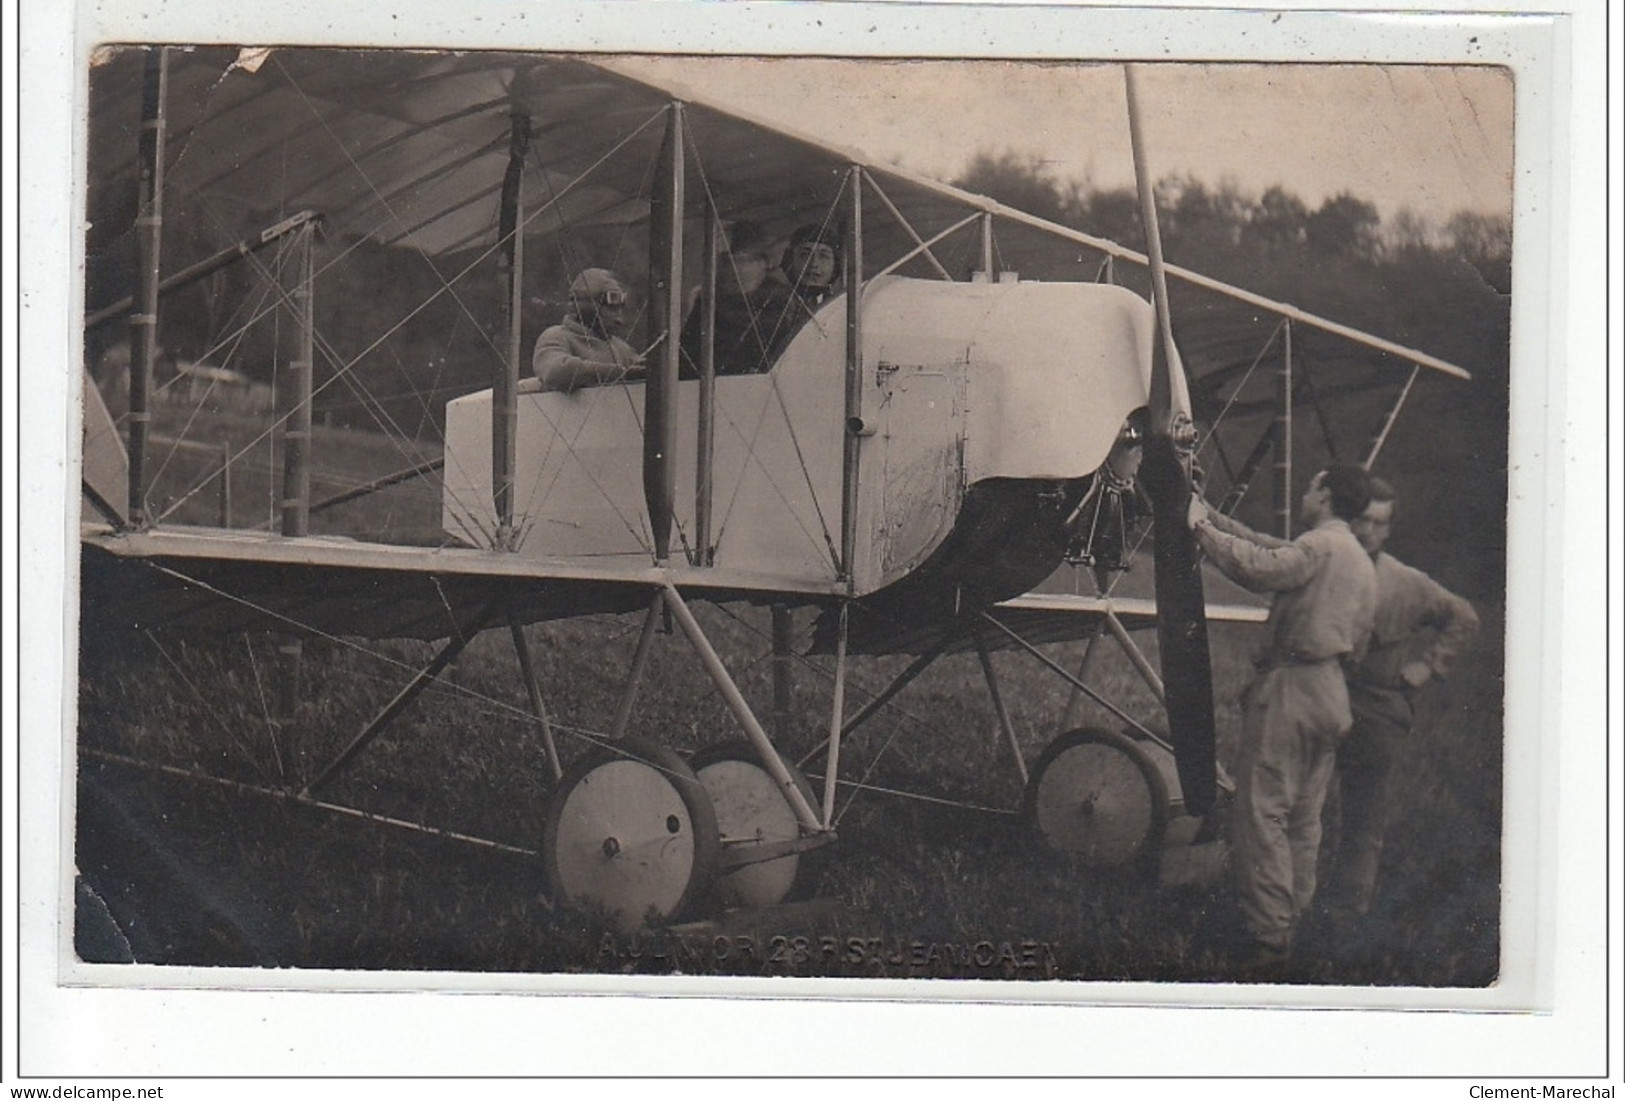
(1297, 707)
(1420, 626)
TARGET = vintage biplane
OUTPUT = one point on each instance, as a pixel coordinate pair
(919, 459)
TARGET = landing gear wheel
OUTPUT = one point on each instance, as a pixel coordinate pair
(1097, 796)
(631, 830)
(752, 808)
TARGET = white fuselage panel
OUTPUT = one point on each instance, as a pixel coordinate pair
(960, 382)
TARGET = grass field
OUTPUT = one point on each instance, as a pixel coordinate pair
(182, 747)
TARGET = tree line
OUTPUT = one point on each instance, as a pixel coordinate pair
(1276, 224)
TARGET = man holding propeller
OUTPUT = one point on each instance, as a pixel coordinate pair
(1297, 707)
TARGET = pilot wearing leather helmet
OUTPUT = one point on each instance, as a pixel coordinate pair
(586, 348)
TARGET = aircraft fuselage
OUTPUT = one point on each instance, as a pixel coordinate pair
(964, 385)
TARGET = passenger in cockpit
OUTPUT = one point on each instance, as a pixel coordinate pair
(741, 332)
(806, 278)
(586, 349)
(758, 311)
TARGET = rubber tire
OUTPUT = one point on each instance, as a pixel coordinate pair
(631, 831)
(748, 803)
(1096, 796)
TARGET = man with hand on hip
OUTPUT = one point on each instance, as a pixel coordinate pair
(1420, 626)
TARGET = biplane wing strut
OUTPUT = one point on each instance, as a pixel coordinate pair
(666, 310)
(1187, 670)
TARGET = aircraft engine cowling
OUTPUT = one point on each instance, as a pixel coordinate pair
(1051, 375)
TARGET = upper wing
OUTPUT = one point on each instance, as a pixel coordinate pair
(409, 148)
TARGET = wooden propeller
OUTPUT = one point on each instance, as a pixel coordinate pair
(1165, 474)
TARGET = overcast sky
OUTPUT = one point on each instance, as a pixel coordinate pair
(1435, 139)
